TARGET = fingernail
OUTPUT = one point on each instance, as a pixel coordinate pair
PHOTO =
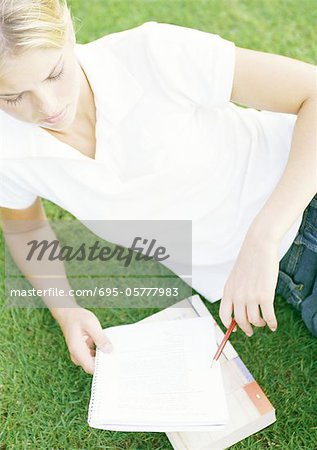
(235, 329)
(273, 328)
(249, 334)
(107, 348)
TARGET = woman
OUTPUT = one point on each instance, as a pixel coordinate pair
(141, 124)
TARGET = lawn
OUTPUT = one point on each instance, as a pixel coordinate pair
(44, 397)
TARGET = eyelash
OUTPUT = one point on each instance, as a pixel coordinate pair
(57, 77)
(19, 99)
(15, 101)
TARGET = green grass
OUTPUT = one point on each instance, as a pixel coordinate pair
(44, 397)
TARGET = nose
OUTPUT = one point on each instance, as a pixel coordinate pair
(46, 102)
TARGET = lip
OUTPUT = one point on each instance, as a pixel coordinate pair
(57, 118)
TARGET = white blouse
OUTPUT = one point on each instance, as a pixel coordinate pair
(169, 145)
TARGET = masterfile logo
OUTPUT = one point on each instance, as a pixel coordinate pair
(128, 263)
(96, 251)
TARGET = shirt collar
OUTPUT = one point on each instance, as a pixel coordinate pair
(115, 88)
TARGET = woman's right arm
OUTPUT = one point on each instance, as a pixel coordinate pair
(23, 225)
(80, 326)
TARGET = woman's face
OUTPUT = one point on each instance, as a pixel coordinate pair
(40, 84)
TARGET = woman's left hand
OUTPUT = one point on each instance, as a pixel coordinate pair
(251, 286)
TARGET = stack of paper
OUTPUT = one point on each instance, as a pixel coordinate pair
(158, 378)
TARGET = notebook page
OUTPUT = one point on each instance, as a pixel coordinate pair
(159, 374)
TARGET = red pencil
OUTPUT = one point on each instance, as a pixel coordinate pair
(223, 342)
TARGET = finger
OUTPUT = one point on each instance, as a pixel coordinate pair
(269, 315)
(74, 360)
(225, 311)
(241, 318)
(86, 368)
(90, 342)
(90, 369)
(99, 336)
(253, 315)
(81, 353)
(87, 362)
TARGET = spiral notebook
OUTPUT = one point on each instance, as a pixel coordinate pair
(158, 378)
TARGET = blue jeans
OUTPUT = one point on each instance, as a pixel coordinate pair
(297, 280)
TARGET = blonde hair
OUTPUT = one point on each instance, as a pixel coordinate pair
(28, 24)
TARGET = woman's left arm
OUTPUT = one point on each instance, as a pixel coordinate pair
(274, 83)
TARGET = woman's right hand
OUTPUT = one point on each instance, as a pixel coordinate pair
(82, 330)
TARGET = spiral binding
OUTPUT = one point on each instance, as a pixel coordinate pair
(93, 399)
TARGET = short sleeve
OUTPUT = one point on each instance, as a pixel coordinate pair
(15, 145)
(194, 64)
(13, 195)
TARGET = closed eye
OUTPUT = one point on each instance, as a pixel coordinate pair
(16, 100)
(57, 77)
(50, 79)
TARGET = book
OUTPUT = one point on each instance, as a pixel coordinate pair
(249, 408)
(158, 377)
